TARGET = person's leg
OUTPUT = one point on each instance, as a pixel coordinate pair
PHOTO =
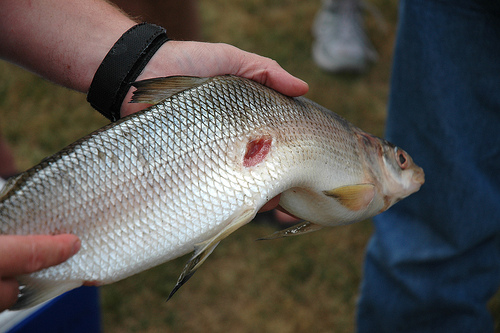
(434, 260)
(340, 41)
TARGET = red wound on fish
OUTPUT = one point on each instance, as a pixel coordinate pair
(257, 150)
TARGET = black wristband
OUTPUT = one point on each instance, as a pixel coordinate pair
(121, 67)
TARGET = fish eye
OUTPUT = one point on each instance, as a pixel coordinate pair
(401, 158)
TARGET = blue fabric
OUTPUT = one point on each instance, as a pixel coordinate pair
(76, 311)
(434, 260)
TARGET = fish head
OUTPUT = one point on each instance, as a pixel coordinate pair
(398, 175)
(388, 175)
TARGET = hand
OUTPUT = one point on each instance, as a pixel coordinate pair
(210, 59)
(28, 254)
(271, 204)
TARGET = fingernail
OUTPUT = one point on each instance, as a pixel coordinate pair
(76, 246)
(304, 82)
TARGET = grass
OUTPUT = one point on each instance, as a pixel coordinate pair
(247, 286)
(302, 284)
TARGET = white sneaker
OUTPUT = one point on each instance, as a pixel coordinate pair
(341, 44)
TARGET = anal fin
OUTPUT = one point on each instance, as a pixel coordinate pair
(204, 249)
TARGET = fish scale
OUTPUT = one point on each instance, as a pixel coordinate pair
(185, 173)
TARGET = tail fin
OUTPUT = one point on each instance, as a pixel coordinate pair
(33, 291)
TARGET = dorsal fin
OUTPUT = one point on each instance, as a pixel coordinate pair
(153, 91)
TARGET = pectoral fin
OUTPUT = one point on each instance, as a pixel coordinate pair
(353, 197)
(204, 249)
(298, 229)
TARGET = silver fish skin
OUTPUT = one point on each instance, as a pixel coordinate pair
(185, 173)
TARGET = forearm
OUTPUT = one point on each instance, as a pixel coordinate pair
(65, 41)
(61, 40)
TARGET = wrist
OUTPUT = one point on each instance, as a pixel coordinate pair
(122, 65)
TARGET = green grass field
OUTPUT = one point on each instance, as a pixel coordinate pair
(303, 284)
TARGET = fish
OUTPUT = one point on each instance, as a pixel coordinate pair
(183, 174)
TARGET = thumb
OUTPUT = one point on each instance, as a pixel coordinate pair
(27, 254)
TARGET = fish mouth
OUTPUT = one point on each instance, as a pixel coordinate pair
(417, 180)
(418, 176)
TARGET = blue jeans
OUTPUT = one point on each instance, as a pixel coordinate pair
(434, 260)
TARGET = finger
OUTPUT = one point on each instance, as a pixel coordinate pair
(27, 254)
(268, 72)
(282, 216)
(271, 204)
(9, 289)
(280, 80)
(210, 59)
